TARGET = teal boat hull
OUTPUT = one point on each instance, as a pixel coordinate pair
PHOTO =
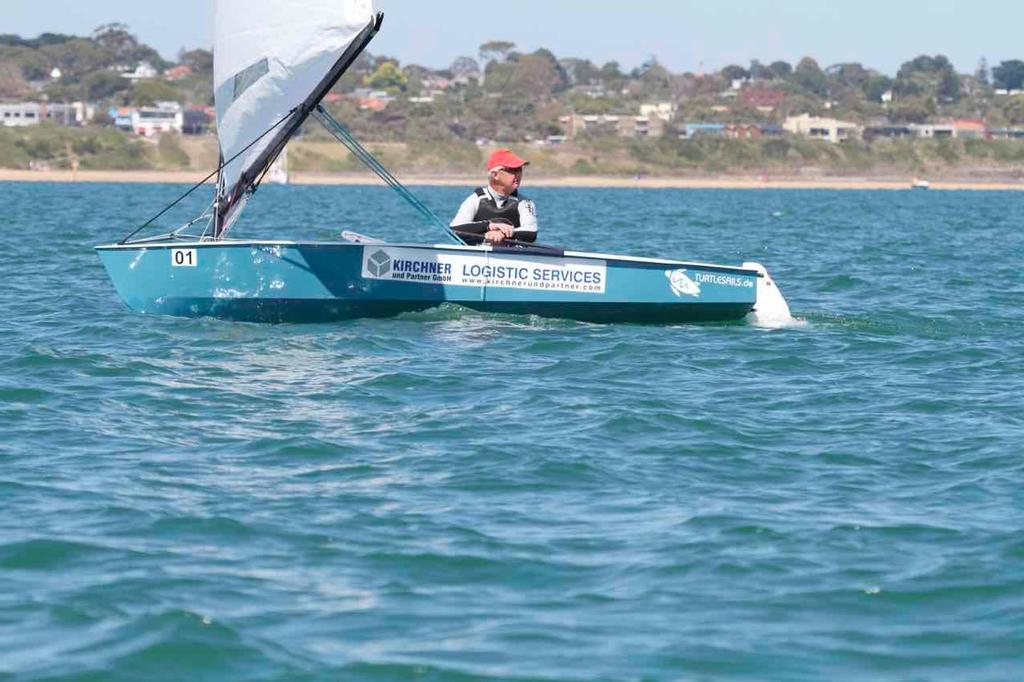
(303, 282)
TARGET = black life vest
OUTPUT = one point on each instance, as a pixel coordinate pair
(488, 209)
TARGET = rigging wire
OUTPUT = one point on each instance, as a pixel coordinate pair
(343, 135)
(202, 182)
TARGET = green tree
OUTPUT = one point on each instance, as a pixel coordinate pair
(495, 51)
(11, 40)
(12, 83)
(809, 77)
(926, 76)
(734, 73)
(124, 47)
(876, 86)
(981, 74)
(911, 111)
(101, 85)
(1013, 111)
(531, 77)
(759, 71)
(949, 86)
(34, 66)
(656, 82)
(464, 66)
(1009, 75)
(561, 78)
(387, 77)
(850, 75)
(611, 72)
(781, 69)
(200, 61)
(77, 58)
(580, 71)
(148, 93)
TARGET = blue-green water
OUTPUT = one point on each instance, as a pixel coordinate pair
(455, 496)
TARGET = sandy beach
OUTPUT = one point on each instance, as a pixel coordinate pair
(716, 182)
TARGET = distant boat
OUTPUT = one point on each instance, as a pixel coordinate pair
(272, 67)
(277, 174)
(920, 184)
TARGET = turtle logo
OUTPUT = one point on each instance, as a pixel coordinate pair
(681, 283)
(379, 263)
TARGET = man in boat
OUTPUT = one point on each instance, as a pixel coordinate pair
(495, 213)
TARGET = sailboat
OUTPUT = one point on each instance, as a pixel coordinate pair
(272, 68)
(277, 174)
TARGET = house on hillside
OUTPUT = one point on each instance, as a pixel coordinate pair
(1007, 134)
(436, 83)
(143, 71)
(828, 129)
(640, 126)
(122, 117)
(743, 131)
(623, 125)
(971, 129)
(573, 124)
(373, 103)
(666, 111)
(165, 117)
(964, 128)
(73, 114)
(887, 131)
(765, 100)
(177, 73)
(591, 90)
(933, 131)
(690, 131)
(20, 115)
(196, 120)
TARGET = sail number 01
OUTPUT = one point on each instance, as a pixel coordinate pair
(183, 258)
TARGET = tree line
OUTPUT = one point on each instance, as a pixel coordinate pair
(505, 93)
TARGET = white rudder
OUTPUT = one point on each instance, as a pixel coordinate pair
(771, 309)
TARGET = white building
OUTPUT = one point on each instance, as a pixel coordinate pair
(830, 129)
(65, 114)
(666, 111)
(576, 123)
(165, 117)
(20, 115)
(144, 71)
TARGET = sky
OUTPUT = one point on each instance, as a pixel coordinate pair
(684, 35)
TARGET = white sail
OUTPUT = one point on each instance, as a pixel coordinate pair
(269, 58)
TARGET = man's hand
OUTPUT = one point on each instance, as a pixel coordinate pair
(506, 230)
(494, 236)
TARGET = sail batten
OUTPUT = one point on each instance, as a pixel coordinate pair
(273, 63)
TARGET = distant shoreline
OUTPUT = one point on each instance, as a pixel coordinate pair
(584, 181)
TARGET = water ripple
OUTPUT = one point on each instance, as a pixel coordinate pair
(457, 496)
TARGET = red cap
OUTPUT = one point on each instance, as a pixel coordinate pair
(504, 158)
